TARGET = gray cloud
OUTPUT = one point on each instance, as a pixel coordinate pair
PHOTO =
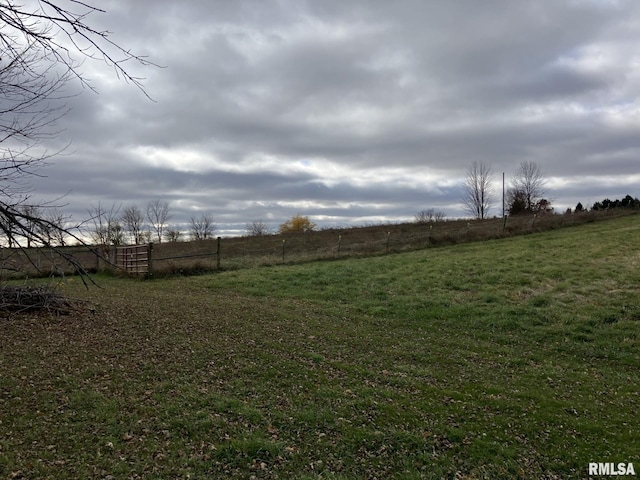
(353, 110)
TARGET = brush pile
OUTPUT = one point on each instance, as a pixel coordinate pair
(35, 298)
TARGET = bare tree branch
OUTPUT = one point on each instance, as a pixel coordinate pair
(40, 41)
(19, 226)
(47, 24)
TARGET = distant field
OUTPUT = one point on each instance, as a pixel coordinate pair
(510, 358)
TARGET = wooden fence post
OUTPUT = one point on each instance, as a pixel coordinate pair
(150, 259)
(283, 243)
(98, 254)
(219, 241)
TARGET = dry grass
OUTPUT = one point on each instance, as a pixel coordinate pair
(249, 252)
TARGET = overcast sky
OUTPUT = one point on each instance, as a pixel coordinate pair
(352, 112)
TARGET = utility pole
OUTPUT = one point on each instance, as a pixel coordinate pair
(502, 194)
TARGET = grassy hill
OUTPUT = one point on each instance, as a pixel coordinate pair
(510, 358)
(232, 253)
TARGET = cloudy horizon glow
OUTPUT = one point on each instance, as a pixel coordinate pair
(352, 112)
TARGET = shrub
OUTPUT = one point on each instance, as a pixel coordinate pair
(297, 224)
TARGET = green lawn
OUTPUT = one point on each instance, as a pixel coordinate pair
(514, 358)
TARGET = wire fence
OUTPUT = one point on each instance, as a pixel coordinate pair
(255, 251)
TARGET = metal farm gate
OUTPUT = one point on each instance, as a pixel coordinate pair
(134, 259)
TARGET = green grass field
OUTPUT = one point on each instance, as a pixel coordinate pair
(512, 358)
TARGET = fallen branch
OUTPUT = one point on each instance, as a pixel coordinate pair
(33, 297)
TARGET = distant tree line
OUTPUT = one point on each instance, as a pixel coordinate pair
(132, 225)
(526, 193)
(606, 204)
(137, 226)
(117, 225)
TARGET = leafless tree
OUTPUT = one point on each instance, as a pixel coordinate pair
(429, 215)
(528, 186)
(158, 215)
(258, 228)
(56, 233)
(133, 222)
(478, 190)
(202, 227)
(38, 43)
(107, 230)
(173, 234)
